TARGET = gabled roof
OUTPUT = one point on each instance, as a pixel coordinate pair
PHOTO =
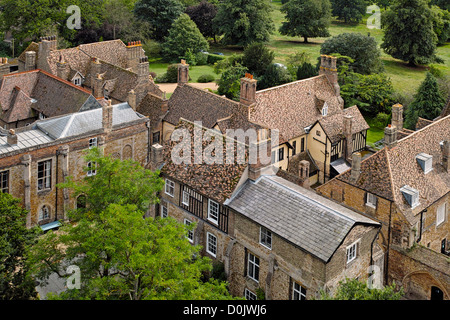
(215, 181)
(292, 107)
(387, 171)
(195, 104)
(307, 220)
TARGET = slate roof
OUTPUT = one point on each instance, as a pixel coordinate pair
(151, 106)
(388, 170)
(195, 104)
(296, 214)
(25, 139)
(23, 92)
(215, 181)
(82, 122)
(292, 107)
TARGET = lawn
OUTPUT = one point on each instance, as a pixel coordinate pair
(374, 133)
(405, 79)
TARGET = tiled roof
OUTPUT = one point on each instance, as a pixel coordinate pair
(41, 91)
(387, 171)
(333, 125)
(195, 104)
(422, 123)
(150, 106)
(292, 107)
(300, 216)
(215, 181)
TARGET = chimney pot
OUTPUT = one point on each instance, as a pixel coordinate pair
(356, 166)
(11, 138)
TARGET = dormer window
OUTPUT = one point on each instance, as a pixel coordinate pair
(425, 161)
(411, 195)
(77, 81)
(325, 109)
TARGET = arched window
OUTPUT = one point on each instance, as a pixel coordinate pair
(44, 213)
(127, 152)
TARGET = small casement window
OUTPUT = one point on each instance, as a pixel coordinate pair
(44, 213)
(371, 200)
(44, 175)
(325, 109)
(280, 154)
(302, 145)
(211, 244)
(318, 133)
(190, 233)
(92, 142)
(253, 267)
(440, 213)
(91, 168)
(265, 238)
(4, 181)
(170, 187)
(185, 199)
(213, 211)
(352, 251)
(298, 292)
(249, 295)
(294, 147)
(164, 211)
(155, 137)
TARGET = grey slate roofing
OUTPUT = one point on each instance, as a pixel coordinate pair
(312, 222)
(48, 130)
(82, 122)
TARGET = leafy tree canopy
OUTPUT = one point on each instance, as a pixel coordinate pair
(203, 14)
(348, 10)
(257, 58)
(352, 289)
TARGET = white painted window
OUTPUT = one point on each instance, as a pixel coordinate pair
(170, 187)
(213, 211)
(371, 200)
(250, 295)
(253, 267)
(325, 109)
(190, 234)
(185, 199)
(91, 169)
(211, 244)
(44, 175)
(164, 211)
(77, 81)
(265, 237)
(4, 181)
(440, 214)
(352, 252)
(92, 142)
(298, 292)
(44, 213)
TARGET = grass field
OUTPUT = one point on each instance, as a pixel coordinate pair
(404, 78)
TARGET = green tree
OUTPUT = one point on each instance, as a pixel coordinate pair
(183, 36)
(306, 18)
(295, 60)
(306, 70)
(441, 24)
(348, 10)
(15, 283)
(352, 289)
(229, 83)
(275, 75)
(428, 102)
(361, 48)
(408, 31)
(160, 14)
(443, 4)
(203, 14)
(242, 22)
(257, 57)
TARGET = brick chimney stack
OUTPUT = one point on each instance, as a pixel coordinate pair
(107, 117)
(143, 70)
(390, 136)
(328, 68)
(134, 53)
(131, 99)
(183, 72)
(11, 138)
(4, 67)
(46, 45)
(30, 60)
(397, 116)
(248, 90)
(62, 69)
(303, 170)
(260, 153)
(356, 166)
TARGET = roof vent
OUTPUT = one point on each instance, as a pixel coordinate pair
(411, 195)
(425, 161)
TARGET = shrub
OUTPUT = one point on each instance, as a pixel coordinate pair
(213, 58)
(204, 78)
(381, 120)
(257, 58)
(306, 70)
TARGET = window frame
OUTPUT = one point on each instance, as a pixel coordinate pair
(164, 210)
(280, 154)
(301, 291)
(208, 235)
(263, 230)
(190, 234)
(325, 109)
(248, 293)
(210, 217)
(443, 214)
(349, 249)
(253, 267)
(4, 181)
(91, 172)
(47, 175)
(93, 142)
(185, 193)
(169, 183)
(43, 217)
(373, 198)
